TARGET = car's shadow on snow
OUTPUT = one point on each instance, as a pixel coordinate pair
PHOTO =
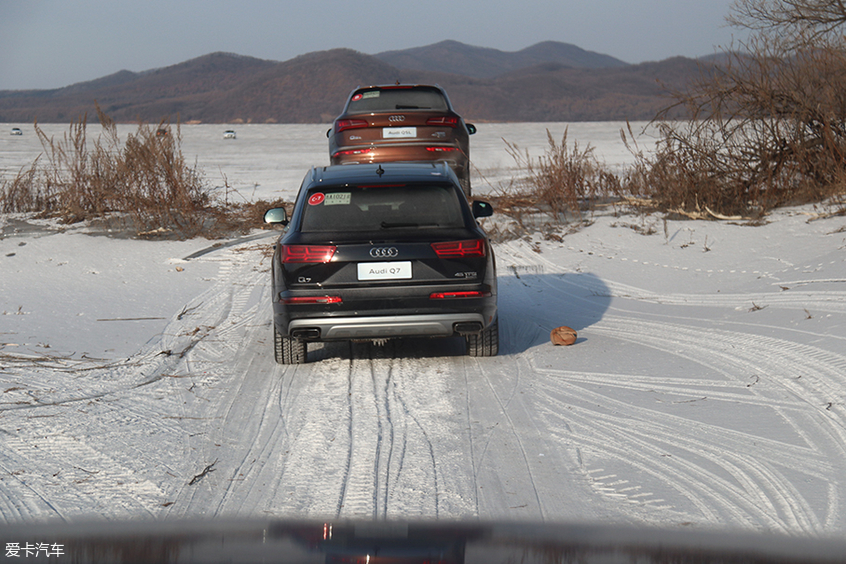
(531, 304)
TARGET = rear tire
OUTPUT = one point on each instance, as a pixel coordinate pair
(288, 350)
(485, 343)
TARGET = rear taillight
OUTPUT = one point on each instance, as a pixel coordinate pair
(460, 249)
(343, 124)
(313, 300)
(353, 152)
(307, 253)
(452, 295)
(448, 121)
(442, 149)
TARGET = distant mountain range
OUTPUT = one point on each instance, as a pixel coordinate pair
(549, 81)
(480, 62)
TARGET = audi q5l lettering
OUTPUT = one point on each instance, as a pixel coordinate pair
(402, 123)
(374, 252)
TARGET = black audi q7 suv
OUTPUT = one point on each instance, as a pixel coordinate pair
(379, 251)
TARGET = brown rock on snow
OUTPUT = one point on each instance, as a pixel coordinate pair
(563, 336)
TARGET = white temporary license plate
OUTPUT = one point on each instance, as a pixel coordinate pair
(397, 270)
(399, 132)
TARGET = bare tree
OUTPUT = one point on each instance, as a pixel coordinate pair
(769, 119)
(807, 21)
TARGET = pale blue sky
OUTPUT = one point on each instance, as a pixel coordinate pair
(54, 43)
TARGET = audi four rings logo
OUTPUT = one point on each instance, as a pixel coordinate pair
(396, 118)
(384, 252)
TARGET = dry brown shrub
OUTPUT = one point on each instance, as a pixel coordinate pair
(22, 192)
(564, 180)
(555, 188)
(143, 182)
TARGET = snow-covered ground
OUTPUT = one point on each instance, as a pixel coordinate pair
(707, 388)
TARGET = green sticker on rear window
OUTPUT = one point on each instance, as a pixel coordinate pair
(371, 94)
(338, 199)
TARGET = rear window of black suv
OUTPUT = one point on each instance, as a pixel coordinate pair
(382, 207)
(393, 99)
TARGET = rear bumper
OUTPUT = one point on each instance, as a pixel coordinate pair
(385, 326)
(385, 153)
(386, 312)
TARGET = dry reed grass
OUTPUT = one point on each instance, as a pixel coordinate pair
(705, 168)
(555, 189)
(142, 184)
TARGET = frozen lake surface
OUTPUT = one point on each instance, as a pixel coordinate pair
(269, 161)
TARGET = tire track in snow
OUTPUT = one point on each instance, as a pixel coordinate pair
(144, 396)
(713, 467)
(240, 430)
(811, 376)
(100, 460)
(201, 339)
(20, 499)
(366, 432)
(309, 463)
(415, 472)
(493, 440)
(718, 469)
(310, 470)
(296, 461)
(796, 296)
(394, 467)
(99, 482)
(518, 470)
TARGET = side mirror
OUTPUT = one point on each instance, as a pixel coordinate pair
(471, 129)
(328, 132)
(482, 209)
(276, 216)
